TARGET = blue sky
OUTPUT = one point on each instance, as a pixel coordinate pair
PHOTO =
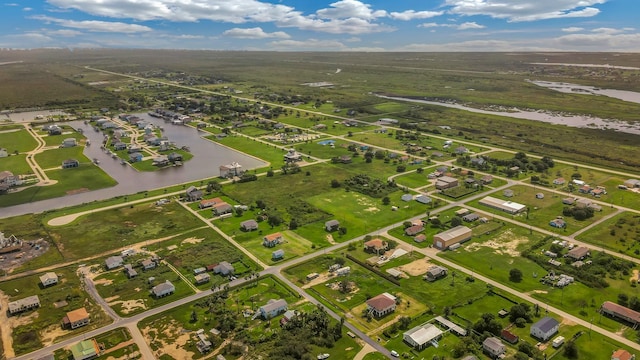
(320, 25)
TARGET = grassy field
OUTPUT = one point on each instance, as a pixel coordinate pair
(54, 158)
(620, 234)
(541, 211)
(16, 139)
(17, 164)
(270, 154)
(67, 133)
(112, 229)
(43, 327)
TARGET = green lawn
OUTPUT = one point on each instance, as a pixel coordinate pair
(56, 140)
(541, 211)
(111, 229)
(324, 151)
(415, 180)
(53, 158)
(19, 140)
(620, 234)
(270, 154)
(17, 164)
(30, 336)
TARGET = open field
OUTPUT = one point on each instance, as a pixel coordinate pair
(620, 234)
(270, 154)
(16, 139)
(116, 228)
(17, 164)
(54, 158)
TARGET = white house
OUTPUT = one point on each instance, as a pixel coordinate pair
(113, 262)
(49, 279)
(164, 289)
(545, 328)
(493, 346)
(422, 335)
(231, 170)
(3, 153)
(69, 142)
(273, 308)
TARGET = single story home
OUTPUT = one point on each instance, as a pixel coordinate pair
(207, 203)
(193, 194)
(578, 253)
(222, 208)
(69, 142)
(25, 304)
(224, 268)
(381, 305)
(148, 264)
(414, 230)
(558, 223)
(249, 225)
(202, 278)
(622, 354)
(135, 157)
(423, 199)
(420, 238)
(618, 311)
(471, 217)
(435, 272)
(446, 182)
(421, 336)
(273, 308)
(130, 271)
(376, 246)
(86, 349)
(113, 262)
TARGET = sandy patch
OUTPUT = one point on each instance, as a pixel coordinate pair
(372, 209)
(112, 298)
(568, 322)
(191, 240)
(322, 278)
(129, 306)
(137, 289)
(171, 342)
(416, 268)
(330, 239)
(51, 333)
(505, 244)
(172, 247)
(7, 324)
(635, 277)
(103, 282)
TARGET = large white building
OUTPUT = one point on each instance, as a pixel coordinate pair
(503, 205)
(422, 335)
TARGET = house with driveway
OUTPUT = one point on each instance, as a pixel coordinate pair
(381, 305)
(545, 328)
(273, 308)
(49, 279)
(70, 163)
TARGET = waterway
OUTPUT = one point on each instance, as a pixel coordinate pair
(572, 120)
(630, 96)
(207, 158)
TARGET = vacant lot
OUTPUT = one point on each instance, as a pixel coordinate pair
(16, 138)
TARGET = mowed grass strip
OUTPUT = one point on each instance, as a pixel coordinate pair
(16, 139)
(53, 158)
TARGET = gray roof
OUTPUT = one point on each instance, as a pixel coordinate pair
(493, 343)
(332, 223)
(164, 287)
(248, 224)
(273, 305)
(546, 323)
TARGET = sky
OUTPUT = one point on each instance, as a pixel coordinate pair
(321, 25)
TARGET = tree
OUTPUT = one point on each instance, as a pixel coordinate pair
(571, 350)
(404, 322)
(623, 299)
(456, 221)
(520, 311)
(274, 219)
(269, 173)
(194, 316)
(386, 200)
(515, 275)
(342, 230)
(335, 183)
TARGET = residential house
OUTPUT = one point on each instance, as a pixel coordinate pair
(420, 238)
(558, 223)
(376, 246)
(273, 308)
(161, 160)
(130, 271)
(622, 354)
(632, 183)
(471, 217)
(446, 182)
(135, 157)
(231, 170)
(272, 240)
(414, 230)
(222, 208)
(478, 161)
(568, 201)
(578, 253)
(406, 197)
(49, 279)
(174, 156)
(76, 318)
(435, 272)
(618, 311)
(343, 271)
(86, 349)
(206, 203)
(7, 178)
(493, 347)
(193, 193)
(224, 268)
(203, 344)
(486, 179)
(381, 305)
(70, 163)
(25, 304)
(509, 207)
(133, 148)
(287, 316)
(202, 278)
(452, 236)
(148, 264)
(119, 146)
(332, 225)
(113, 262)
(559, 181)
(249, 225)
(69, 142)
(292, 156)
(164, 289)
(545, 328)
(421, 336)
(277, 255)
(461, 150)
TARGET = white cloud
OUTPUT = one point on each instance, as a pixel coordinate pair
(64, 32)
(96, 26)
(463, 26)
(27, 9)
(599, 41)
(610, 31)
(350, 9)
(412, 14)
(353, 39)
(309, 44)
(572, 29)
(255, 33)
(517, 10)
(11, 4)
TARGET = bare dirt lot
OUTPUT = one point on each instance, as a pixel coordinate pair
(416, 268)
(504, 244)
(170, 340)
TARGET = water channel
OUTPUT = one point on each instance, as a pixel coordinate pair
(552, 117)
(207, 158)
